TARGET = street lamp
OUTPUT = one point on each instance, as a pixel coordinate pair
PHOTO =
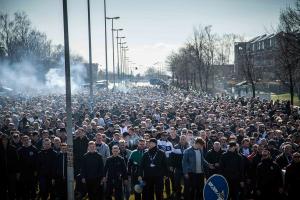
(113, 45)
(121, 54)
(120, 29)
(70, 164)
(106, 63)
(124, 49)
(90, 57)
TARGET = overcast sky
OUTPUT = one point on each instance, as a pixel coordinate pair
(153, 27)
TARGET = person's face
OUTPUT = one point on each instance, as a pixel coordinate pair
(46, 145)
(115, 151)
(141, 145)
(217, 147)
(57, 143)
(232, 148)
(26, 141)
(92, 147)
(288, 149)
(183, 140)
(122, 145)
(152, 145)
(98, 138)
(265, 154)
(64, 148)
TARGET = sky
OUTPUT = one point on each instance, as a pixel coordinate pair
(153, 28)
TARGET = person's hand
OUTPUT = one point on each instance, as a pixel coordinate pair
(83, 180)
(171, 169)
(242, 184)
(53, 182)
(186, 176)
(35, 173)
(217, 165)
(140, 178)
(126, 182)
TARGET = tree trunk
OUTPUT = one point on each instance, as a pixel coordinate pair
(291, 85)
(253, 89)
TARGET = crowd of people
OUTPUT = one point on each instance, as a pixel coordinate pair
(148, 142)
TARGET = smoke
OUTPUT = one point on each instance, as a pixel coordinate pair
(25, 77)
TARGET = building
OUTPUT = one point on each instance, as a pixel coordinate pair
(261, 51)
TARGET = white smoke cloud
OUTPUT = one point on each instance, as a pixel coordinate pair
(24, 77)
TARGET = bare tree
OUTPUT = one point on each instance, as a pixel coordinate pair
(288, 48)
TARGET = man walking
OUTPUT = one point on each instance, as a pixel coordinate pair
(92, 172)
(115, 172)
(193, 164)
(153, 169)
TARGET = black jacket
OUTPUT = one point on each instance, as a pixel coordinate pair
(283, 160)
(268, 176)
(92, 166)
(231, 166)
(80, 148)
(47, 160)
(28, 160)
(61, 169)
(213, 157)
(9, 160)
(115, 168)
(292, 179)
(176, 156)
(158, 167)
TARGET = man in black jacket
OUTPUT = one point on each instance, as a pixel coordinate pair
(269, 179)
(153, 169)
(28, 155)
(115, 172)
(61, 173)
(92, 172)
(176, 163)
(213, 156)
(292, 177)
(9, 168)
(231, 167)
(47, 159)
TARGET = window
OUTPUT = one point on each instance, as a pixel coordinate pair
(262, 44)
(270, 42)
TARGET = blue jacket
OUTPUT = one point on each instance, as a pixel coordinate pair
(189, 161)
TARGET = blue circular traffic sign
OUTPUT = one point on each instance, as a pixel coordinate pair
(216, 188)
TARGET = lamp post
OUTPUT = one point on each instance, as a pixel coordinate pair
(106, 63)
(70, 166)
(124, 49)
(90, 58)
(118, 63)
(113, 45)
(121, 56)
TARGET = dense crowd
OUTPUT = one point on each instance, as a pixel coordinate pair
(149, 142)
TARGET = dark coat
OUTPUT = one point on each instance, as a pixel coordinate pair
(80, 148)
(159, 167)
(268, 176)
(292, 180)
(282, 160)
(9, 160)
(28, 160)
(47, 160)
(115, 168)
(92, 166)
(231, 166)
